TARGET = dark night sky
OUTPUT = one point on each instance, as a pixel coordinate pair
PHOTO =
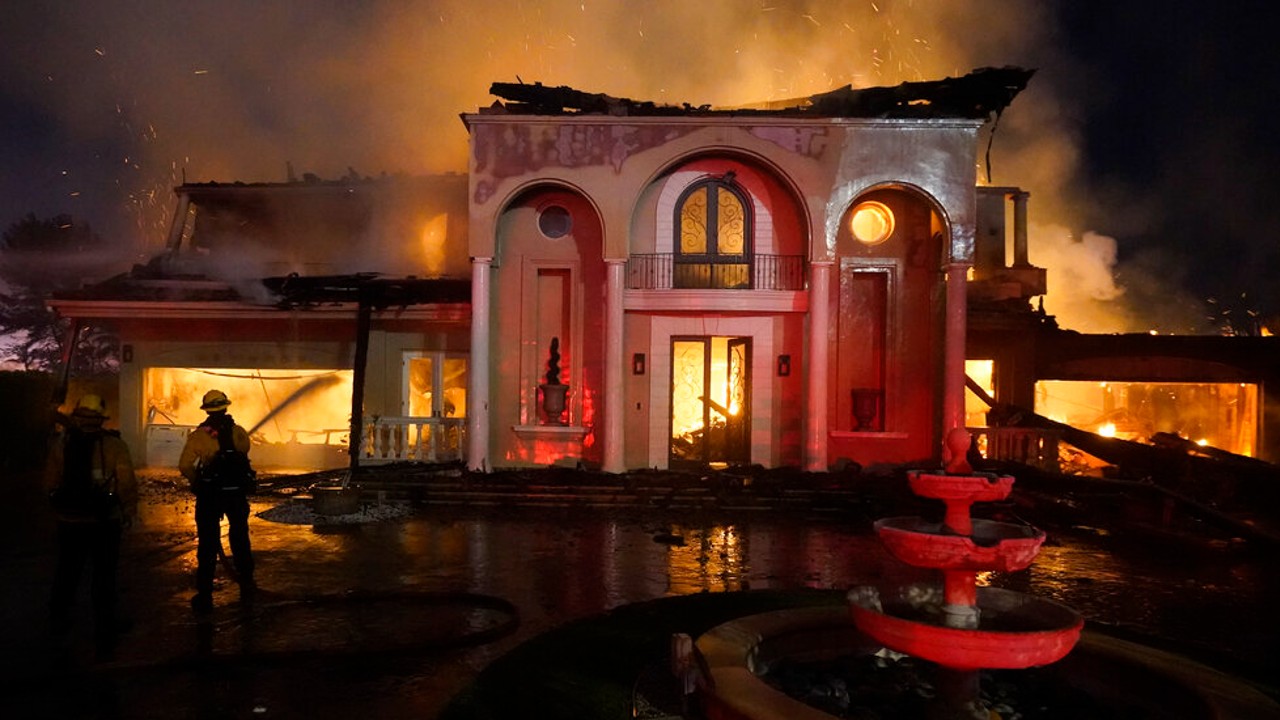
(1180, 146)
(1145, 138)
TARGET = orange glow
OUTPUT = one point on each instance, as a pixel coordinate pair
(975, 409)
(872, 222)
(713, 558)
(277, 406)
(687, 407)
(297, 419)
(450, 400)
(434, 233)
(1222, 415)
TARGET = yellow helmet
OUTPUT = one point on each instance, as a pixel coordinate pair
(91, 406)
(214, 400)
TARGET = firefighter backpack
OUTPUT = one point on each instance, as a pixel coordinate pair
(229, 469)
(83, 491)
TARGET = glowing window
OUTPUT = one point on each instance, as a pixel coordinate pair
(714, 236)
(872, 222)
(436, 385)
(555, 221)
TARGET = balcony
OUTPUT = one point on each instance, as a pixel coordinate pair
(413, 439)
(661, 271)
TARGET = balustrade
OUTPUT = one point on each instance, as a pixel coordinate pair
(413, 439)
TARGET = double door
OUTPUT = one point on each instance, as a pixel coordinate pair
(710, 401)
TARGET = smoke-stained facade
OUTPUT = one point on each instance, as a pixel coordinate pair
(773, 288)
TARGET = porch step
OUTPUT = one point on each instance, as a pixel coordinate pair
(455, 493)
(736, 490)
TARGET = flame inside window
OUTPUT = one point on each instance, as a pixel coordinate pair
(1221, 415)
(292, 415)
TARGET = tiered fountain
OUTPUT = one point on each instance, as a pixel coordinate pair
(961, 627)
(958, 627)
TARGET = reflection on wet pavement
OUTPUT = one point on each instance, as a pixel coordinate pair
(371, 619)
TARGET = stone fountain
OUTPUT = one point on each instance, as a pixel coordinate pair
(959, 626)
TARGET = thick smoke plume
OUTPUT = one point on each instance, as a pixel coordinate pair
(123, 100)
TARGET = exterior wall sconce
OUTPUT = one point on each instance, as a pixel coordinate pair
(784, 365)
(637, 364)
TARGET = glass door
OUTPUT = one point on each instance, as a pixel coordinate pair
(710, 401)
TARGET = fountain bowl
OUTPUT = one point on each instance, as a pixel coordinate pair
(1001, 546)
(1015, 630)
(978, 487)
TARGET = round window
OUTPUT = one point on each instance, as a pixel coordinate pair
(554, 221)
(872, 222)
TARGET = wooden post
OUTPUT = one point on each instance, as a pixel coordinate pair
(364, 315)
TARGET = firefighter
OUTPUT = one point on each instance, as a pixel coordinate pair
(94, 494)
(216, 497)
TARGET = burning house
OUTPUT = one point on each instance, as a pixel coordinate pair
(614, 283)
(269, 292)
(781, 286)
(1199, 393)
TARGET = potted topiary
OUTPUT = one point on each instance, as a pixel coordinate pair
(553, 391)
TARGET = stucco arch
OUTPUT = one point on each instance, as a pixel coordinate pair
(523, 195)
(847, 247)
(846, 198)
(781, 218)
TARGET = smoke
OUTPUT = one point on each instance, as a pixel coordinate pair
(125, 99)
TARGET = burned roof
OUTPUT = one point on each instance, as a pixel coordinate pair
(367, 288)
(977, 95)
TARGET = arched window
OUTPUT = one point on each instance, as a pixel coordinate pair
(713, 236)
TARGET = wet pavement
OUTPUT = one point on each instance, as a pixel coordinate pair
(392, 615)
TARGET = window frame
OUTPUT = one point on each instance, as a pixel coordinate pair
(713, 257)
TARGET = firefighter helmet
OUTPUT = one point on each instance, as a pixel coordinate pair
(214, 400)
(91, 406)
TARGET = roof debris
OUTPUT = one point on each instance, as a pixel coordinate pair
(977, 95)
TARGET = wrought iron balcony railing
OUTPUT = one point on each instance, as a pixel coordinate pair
(663, 271)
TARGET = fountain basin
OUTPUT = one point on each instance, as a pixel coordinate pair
(1014, 630)
(992, 545)
(1121, 674)
(979, 487)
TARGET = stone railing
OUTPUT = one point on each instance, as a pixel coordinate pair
(413, 439)
(1036, 447)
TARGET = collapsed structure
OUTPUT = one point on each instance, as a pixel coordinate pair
(614, 283)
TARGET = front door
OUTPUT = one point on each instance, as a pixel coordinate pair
(710, 401)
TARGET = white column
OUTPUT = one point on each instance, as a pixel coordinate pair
(815, 440)
(478, 371)
(953, 348)
(614, 369)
